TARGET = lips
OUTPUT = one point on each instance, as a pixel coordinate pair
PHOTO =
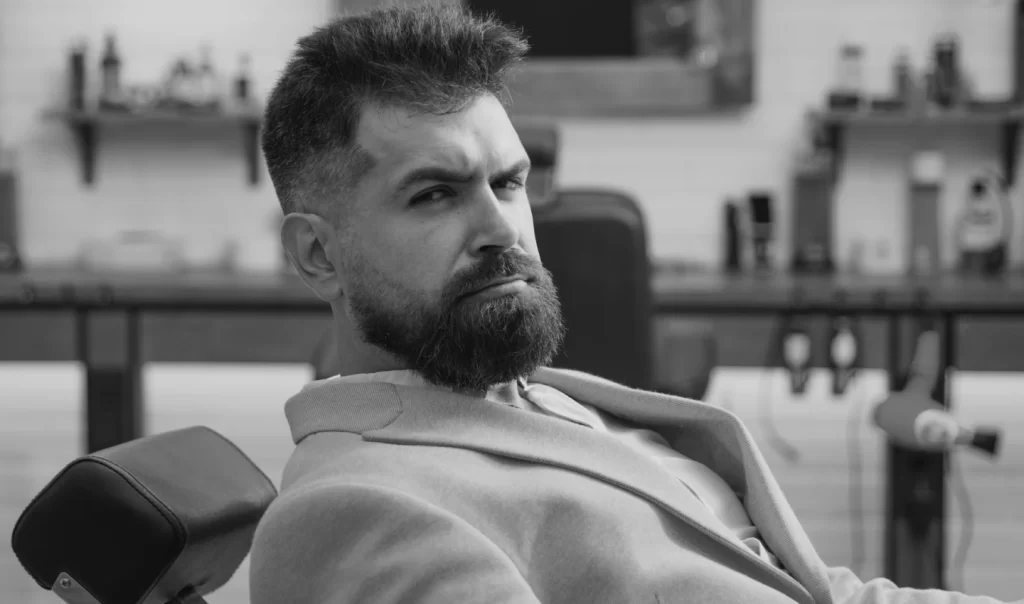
(501, 281)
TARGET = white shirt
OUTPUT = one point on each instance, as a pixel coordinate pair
(706, 486)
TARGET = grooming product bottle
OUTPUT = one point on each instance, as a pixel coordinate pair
(243, 80)
(10, 260)
(110, 70)
(923, 199)
(76, 77)
(903, 79)
(731, 237)
(851, 69)
(762, 229)
(947, 82)
(985, 225)
(812, 217)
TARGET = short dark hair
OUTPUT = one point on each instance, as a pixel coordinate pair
(430, 58)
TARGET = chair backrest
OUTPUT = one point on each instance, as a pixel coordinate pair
(594, 242)
(168, 517)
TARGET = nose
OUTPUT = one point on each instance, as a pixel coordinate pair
(494, 225)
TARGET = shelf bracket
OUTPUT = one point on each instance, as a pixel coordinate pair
(1011, 141)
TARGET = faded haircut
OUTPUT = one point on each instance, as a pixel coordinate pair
(435, 59)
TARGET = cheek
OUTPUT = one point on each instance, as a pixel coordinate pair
(413, 261)
(386, 285)
(529, 244)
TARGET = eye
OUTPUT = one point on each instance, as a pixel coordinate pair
(512, 184)
(431, 196)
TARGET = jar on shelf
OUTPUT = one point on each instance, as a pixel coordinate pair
(850, 70)
(947, 85)
(903, 78)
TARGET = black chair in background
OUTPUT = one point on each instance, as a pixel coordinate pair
(594, 243)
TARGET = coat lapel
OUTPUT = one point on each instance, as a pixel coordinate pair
(446, 419)
(719, 440)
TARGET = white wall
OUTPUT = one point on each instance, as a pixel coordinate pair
(680, 170)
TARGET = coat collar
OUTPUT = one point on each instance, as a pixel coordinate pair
(400, 414)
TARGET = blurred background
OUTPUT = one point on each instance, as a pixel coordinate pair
(810, 184)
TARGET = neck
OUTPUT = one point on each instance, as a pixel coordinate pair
(356, 356)
(506, 394)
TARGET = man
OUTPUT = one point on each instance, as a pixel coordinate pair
(446, 463)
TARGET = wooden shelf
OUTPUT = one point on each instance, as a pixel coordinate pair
(86, 124)
(1008, 120)
(951, 117)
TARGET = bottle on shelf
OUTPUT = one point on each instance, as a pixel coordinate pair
(848, 91)
(207, 93)
(732, 237)
(924, 196)
(985, 225)
(855, 260)
(10, 260)
(243, 81)
(110, 68)
(812, 220)
(811, 202)
(903, 79)
(179, 90)
(77, 76)
(947, 78)
(762, 229)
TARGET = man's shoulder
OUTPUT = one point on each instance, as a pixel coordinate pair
(332, 461)
(340, 480)
(333, 471)
(329, 457)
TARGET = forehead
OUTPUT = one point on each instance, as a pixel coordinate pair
(481, 136)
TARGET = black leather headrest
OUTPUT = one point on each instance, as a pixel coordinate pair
(142, 521)
(540, 139)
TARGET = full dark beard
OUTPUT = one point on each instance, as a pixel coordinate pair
(471, 345)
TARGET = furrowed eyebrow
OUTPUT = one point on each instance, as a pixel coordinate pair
(440, 174)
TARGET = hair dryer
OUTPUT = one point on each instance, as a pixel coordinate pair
(913, 420)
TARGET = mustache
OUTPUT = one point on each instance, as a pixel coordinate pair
(494, 267)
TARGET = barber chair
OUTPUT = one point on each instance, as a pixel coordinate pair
(162, 519)
(594, 242)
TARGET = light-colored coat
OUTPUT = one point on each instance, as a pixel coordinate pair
(400, 494)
